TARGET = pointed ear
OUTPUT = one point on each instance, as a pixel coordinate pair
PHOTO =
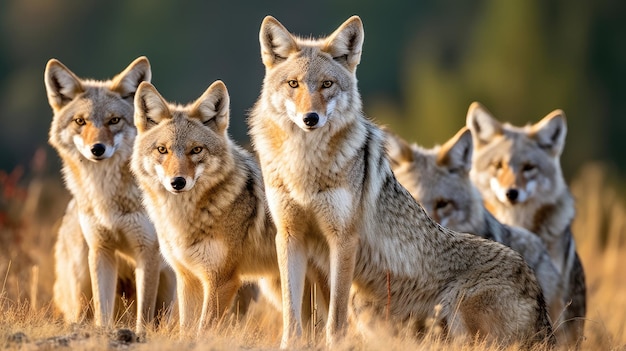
(483, 126)
(456, 153)
(398, 150)
(150, 107)
(276, 42)
(346, 43)
(62, 85)
(550, 132)
(213, 107)
(128, 80)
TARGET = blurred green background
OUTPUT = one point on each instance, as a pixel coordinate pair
(423, 62)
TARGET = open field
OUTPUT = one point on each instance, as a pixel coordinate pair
(31, 204)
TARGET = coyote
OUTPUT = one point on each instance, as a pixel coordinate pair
(438, 179)
(518, 172)
(205, 195)
(336, 202)
(93, 133)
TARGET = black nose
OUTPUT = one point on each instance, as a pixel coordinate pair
(311, 119)
(178, 183)
(98, 150)
(512, 194)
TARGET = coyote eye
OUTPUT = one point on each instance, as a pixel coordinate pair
(441, 204)
(497, 165)
(327, 84)
(293, 83)
(196, 150)
(162, 149)
(80, 121)
(114, 120)
(528, 167)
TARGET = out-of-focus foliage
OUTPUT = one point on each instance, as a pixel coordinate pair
(423, 62)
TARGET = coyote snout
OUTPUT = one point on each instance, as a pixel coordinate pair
(311, 119)
(96, 143)
(178, 167)
(512, 195)
(98, 149)
(177, 183)
(96, 152)
(513, 187)
(310, 102)
(308, 120)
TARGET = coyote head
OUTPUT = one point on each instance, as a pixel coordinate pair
(311, 81)
(93, 118)
(179, 145)
(517, 165)
(438, 178)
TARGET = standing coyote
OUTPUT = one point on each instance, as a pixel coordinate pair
(335, 201)
(518, 172)
(438, 179)
(205, 195)
(93, 133)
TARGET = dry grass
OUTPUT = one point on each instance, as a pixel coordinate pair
(31, 204)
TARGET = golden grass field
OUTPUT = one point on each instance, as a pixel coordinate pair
(31, 204)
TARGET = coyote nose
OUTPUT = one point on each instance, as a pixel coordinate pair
(311, 119)
(98, 150)
(512, 194)
(178, 183)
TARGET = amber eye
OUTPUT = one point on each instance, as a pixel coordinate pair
(114, 120)
(293, 83)
(196, 150)
(80, 121)
(162, 149)
(327, 84)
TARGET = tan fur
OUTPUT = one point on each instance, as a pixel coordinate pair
(518, 172)
(438, 178)
(335, 201)
(93, 133)
(206, 197)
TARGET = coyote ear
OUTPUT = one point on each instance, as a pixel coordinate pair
(346, 43)
(398, 150)
(128, 80)
(550, 132)
(213, 107)
(62, 85)
(456, 153)
(150, 107)
(482, 124)
(276, 42)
